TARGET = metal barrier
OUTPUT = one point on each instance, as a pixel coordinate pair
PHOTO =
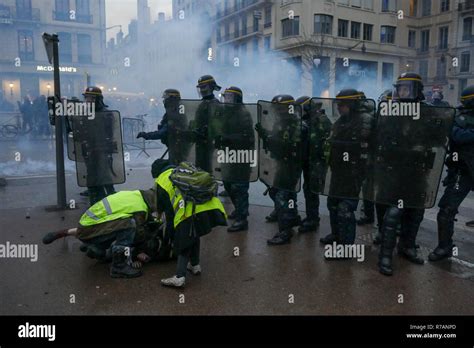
(130, 129)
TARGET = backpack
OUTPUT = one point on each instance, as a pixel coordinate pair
(194, 184)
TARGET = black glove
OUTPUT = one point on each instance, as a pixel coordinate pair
(262, 133)
(142, 135)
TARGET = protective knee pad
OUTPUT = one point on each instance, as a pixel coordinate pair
(392, 217)
(446, 215)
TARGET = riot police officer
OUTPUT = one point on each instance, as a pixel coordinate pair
(354, 127)
(460, 179)
(437, 99)
(311, 222)
(98, 159)
(278, 141)
(237, 132)
(206, 87)
(171, 98)
(408, 88)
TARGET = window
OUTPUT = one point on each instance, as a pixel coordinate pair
(441, 69)
(412, 38)
(443, 38)
(322, 24)
(425, 40)
(291, 27)
(387, 34)
(267, 43)
(255, 24)
(65, 47)
(467, 29)
(236, 29)
(355, 30)
(369, 4)
(413, 8)
(62, 10)
(423, 69)
(426, 8)
(462, 86)
(387, 75)
(356, 3)
(368, 30)
(344, 2)
(84, 48)
(388, 5)
(342, 26)
(268, 17)
(244, 25)
(226, 32)
(23, 9)
(444, 5)
(465, 61)
(83, 11)
(25, 45)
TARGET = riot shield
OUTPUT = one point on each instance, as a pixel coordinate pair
(340, 141)
(181, 136)
(71, 154)
(280, 145)
(235, 142)
(409, 156)
(98, 149)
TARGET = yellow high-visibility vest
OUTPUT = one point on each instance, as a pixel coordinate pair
(120, 205)
(182, 212)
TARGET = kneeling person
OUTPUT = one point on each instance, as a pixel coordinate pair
(113, 222)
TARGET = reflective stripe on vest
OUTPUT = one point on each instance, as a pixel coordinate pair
(120, 205)
(181, 213)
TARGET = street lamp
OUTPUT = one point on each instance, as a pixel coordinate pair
(363, 48)
(114, 88)
(11, 89)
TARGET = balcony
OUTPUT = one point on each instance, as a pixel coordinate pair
(468, 38)
(245, 33)
(234, 10)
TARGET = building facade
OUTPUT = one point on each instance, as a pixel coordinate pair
(24, 67)
(359, 43)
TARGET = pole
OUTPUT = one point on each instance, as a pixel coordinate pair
(60, 175)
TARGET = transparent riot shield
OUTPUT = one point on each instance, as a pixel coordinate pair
(188, 138)
(234, 142)
(280, 145)
(98, 149)
(409, 154)
(341, 132)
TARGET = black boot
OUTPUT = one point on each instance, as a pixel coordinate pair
(272, 217)
(329, 239)
(445, 242)
(389, 238)
(120, 266)
(441, 253)
(239, 225)
(309, 225)
(282, 237)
